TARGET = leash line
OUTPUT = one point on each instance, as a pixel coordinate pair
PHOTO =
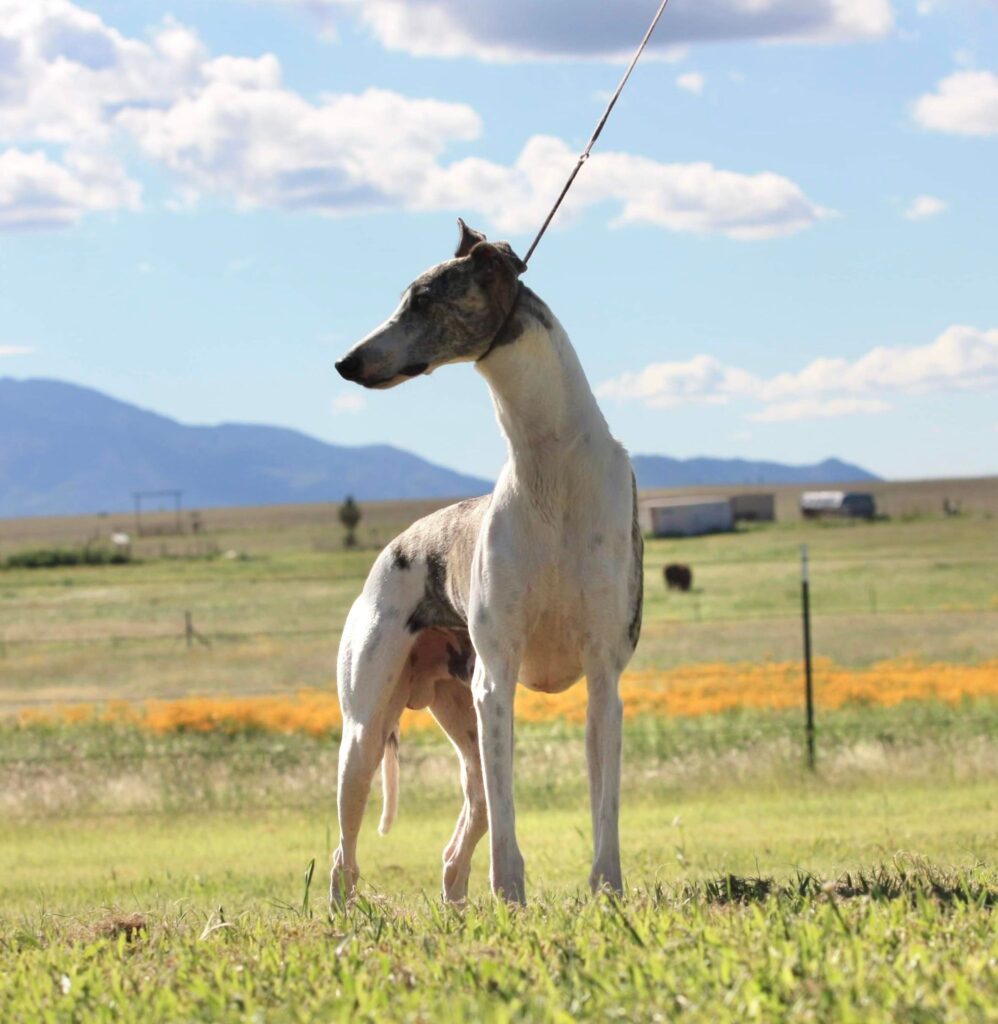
(584, 156)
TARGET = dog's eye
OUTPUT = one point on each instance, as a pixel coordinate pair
(421, 299)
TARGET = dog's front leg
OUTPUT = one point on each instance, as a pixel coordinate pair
(604, 726)
(493, 688)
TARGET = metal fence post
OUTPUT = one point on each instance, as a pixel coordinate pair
(805, 593)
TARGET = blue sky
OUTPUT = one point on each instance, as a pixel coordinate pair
(783, 248)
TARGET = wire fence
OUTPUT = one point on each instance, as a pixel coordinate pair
(185, 631)
(181, 633)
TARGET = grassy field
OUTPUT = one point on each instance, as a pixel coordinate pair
(160, 878)
(159, 875)
(925, 587)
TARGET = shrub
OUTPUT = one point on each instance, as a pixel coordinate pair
(50, 558)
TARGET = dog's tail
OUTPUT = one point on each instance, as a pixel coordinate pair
(389, 782)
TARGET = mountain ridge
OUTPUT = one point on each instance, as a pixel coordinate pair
(654, 471)
(66, 449)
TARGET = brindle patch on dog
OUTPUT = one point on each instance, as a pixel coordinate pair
(442, 545)
(435, 608)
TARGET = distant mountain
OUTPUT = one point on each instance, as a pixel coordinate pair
(66, 450)
(655, 471)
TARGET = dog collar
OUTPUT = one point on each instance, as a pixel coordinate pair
(502, 327)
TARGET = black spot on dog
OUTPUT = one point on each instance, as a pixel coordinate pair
(400, 560)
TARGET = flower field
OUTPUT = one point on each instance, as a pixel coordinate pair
(684, 692)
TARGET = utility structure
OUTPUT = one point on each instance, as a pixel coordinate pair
(171, 494)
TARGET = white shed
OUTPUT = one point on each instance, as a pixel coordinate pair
(685, 517)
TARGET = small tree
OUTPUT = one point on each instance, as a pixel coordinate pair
(350, 516)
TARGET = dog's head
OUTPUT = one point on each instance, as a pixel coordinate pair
(450, 314)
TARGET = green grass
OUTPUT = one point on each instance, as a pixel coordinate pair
(911, 944)
(865, 893)
(158, 878)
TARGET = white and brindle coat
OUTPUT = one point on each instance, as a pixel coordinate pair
(539, 582)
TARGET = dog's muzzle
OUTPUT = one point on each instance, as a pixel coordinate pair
(350, 367)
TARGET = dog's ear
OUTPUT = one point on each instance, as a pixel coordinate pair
(468, 240)
(488, 257)
(517, 265)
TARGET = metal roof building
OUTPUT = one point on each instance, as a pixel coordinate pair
(753, 508)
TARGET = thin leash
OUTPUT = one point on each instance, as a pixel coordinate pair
(596, 134)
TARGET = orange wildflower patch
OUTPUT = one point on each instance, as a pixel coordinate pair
(688, 691)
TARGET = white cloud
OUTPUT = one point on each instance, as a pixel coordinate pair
(64, 76)
(76, 92)
(15, 350)
(267, 146)
(349, 403)
(64, 72)
(962, 358)
(700, 379)
(696, 197)
(964, 103)
(922, 207)
(691, 81)
(816, 408)
(37, 192)
(526, 30)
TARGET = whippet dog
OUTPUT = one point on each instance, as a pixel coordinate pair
(539, 582)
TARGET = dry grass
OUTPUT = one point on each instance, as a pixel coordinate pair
(270, 527)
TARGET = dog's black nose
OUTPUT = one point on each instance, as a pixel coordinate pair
(349, 367)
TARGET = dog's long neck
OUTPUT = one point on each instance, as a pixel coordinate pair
(544, 403)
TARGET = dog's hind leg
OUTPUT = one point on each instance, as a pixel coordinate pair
(453, 709)
(604, 727)
(372, 659)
